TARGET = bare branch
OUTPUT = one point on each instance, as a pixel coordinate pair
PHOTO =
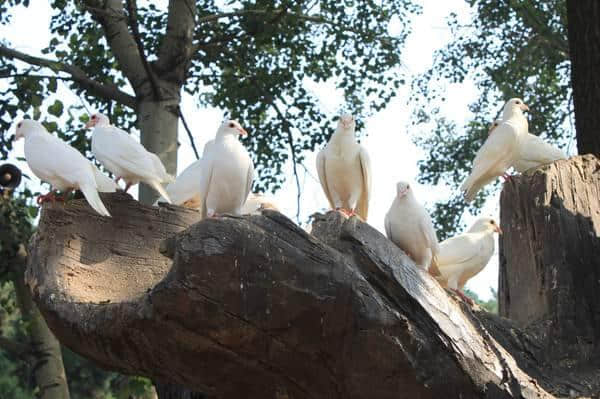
(107, 91)
(187, 129)
(132, 11)
(111, 15)
(290, 138)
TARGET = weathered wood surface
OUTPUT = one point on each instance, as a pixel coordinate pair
(550, 256)
(255, 307)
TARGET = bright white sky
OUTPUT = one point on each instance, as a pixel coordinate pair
(394, 157)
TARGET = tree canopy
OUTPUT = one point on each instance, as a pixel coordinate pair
(248, 58)
(511, 48)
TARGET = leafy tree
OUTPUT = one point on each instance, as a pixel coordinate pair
(510, 48)
(251, 58)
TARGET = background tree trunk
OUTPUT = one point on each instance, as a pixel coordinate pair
(158, 121)
(584, 50)
(49, 371)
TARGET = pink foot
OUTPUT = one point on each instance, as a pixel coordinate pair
(464, 297)
(51, 196)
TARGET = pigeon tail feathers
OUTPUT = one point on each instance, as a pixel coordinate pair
(93, 198)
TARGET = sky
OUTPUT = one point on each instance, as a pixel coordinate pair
(387, 134)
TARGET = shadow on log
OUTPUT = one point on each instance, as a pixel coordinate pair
(255, 307)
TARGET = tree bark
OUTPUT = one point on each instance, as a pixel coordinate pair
(584, 50)
(255, 307)
(158, 123)
(49, 371)
(550, 257)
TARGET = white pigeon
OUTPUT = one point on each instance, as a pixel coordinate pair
(408, 225)
(57, 163)
(185, 190)
(257, 202)
(345, 171)
(499, 151)
(227, 172)
(533, 151)
(463, 256)
(126, 158)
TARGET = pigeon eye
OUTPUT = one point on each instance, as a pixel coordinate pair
(19, 124)
(517, 102)
(492, 222)
(231, 125)
(93, 116)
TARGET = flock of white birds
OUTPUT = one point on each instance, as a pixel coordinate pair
(221, 181)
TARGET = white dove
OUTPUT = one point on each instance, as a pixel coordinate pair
(257, 202)
(57, 163)
(227, 172)
(462, 257)
(185, 190)
(408, 225)
(345, 171)
(533, 151)
(500, 149)
(126, 158)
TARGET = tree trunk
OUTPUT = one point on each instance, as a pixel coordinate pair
(550, 257)
(158, 121)
(49, 371)
(255, 307)
(584, 50)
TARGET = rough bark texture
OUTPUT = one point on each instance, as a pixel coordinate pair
(550, 257)
(255, 307)
(584, 50)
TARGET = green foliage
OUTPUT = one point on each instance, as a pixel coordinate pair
(511, 48)
(253, 64)
(491, 305)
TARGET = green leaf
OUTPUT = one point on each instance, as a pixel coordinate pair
(56, 109)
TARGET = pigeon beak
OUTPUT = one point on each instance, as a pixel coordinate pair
(18, 135)
(242, 131)
(524, 107)
(90, 124)
(498, 229)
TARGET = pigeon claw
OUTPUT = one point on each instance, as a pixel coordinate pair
(464, 297)
(51, 196)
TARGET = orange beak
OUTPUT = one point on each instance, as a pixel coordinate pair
(90, 124)
(242, 131)
(498, 229)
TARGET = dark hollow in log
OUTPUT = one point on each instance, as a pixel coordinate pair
(255, 307)
(550, 257)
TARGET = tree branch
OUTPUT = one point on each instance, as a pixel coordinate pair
(189, 133)
(107, 91)
(177, 50)
(133, 23)
(294, 161)
(111, 15)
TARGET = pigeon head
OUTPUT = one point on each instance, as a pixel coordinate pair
(485, 224)
(493, 126)
(231, 127)
(98, 119)
(346, 123)
(403, 189)
(514, 106)
(26, 126)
